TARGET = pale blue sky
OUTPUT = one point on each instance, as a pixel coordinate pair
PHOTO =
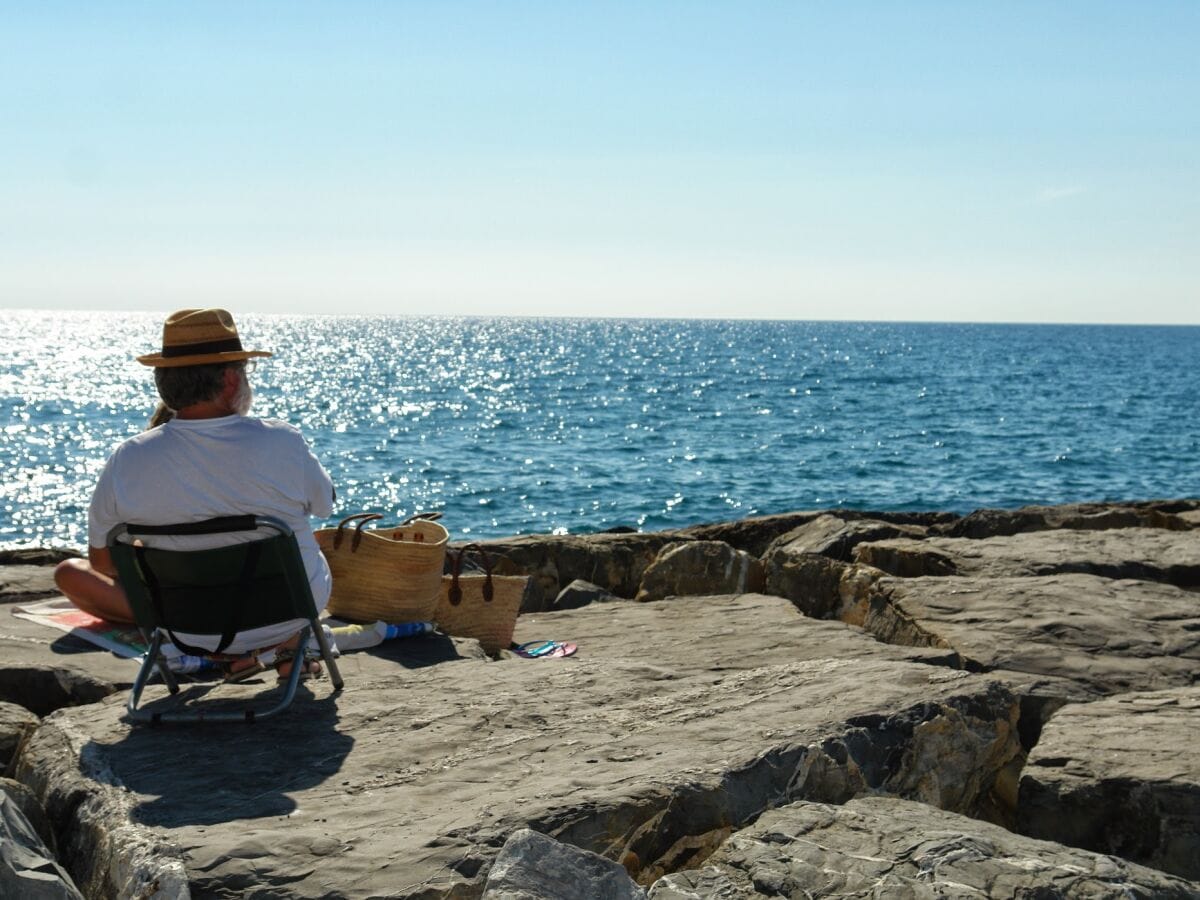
(919, 161)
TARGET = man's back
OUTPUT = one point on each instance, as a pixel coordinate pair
(189, 470)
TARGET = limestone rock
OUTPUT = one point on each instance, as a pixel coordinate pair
(28, 803)
(44, 688)
(1120, 776)
(808, 564)
(1149, 554)
(1105, 636)
(28, 869)
(755, 535)
(835, 538)
(15, 722)
(673, 725)
(987, 523)
(883, 847)
(615, 562)
(705, 883)
(36, 556)
(38, 661)
(700, 568)
(580, 593)
(21, 583)
(532, 866)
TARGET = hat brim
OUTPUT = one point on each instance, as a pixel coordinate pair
(158, 361)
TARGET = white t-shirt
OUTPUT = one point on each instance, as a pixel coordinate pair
(189, 470)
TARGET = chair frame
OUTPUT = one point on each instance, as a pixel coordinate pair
(149, 618)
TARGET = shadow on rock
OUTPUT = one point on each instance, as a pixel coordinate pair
(426, 651)
(209, 774)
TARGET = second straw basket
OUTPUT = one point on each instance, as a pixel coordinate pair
(391, 574)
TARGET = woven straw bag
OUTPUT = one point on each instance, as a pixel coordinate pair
(389, 574)
(484, 607)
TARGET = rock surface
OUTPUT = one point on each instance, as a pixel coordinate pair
(15, 722)
(677, 724)
(1147, 554)
(615, 562)
(698, 568)
(1121, 776)
(25, 800)
(28, 869)
(647, 750)
(880, 847)
(580, 593)
(532, 866)
(1105, 636)
(19, 583)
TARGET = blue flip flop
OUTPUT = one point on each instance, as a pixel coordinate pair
(534, 649)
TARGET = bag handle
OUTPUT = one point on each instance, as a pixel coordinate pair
(366, 517)
(417, 517)
(455, 593)
(426, 516)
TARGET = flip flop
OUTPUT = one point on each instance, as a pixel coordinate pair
(545, 649)
(534, 649)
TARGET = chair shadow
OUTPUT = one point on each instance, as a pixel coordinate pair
(210, 773)
(420, 652)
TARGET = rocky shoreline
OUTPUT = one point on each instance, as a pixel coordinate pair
(823, 703)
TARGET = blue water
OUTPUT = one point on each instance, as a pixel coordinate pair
(514, 426)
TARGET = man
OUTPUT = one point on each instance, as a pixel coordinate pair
(211, 459)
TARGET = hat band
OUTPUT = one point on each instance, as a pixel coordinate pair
(226, 346)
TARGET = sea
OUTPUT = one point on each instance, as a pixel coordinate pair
(514, 426)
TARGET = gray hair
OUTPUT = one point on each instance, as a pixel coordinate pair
(184, 386)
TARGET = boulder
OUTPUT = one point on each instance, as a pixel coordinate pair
(755, 535)
(580, 593)
(673, 725)
(25, 800)
(1101, 635)
(1149, 554)
(835, 538)
(532, 866)
(700, 568)
(808, 564)
(28, 869)
(615, 562)
(1120, 776)
(15, 722)
(884, 847)
(987, 523)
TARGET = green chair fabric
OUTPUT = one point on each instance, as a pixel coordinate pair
(214, 592)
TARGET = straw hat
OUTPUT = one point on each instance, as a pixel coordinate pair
(196, 337)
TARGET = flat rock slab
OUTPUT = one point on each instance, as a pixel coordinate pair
(1121, 776)
(26, 582)
(1106, 636)
(43, 669)
(675, 723)
(1150, 554)
(880, 847)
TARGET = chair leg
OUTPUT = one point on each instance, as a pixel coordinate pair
(327, 654)
(149, 663)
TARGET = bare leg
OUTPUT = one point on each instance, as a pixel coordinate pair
(92, 591)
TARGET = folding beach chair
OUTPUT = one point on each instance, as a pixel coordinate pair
(215, 592)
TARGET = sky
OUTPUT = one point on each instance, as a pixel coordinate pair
(916, 161)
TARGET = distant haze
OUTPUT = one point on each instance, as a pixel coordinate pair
(1027, 162)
